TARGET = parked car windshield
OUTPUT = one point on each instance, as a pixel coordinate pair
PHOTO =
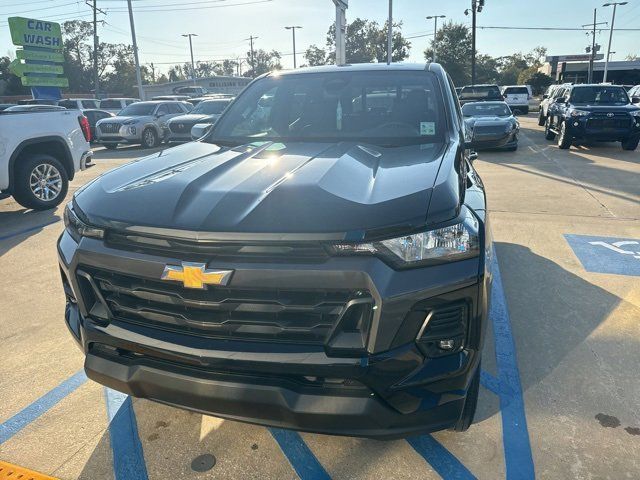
(110, 104)
(210, 107)
(137, 109)
(486, 110)
(599, 95)
(384, 108)
(488, 92)
(516, 91)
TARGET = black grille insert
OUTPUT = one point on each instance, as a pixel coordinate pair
(283, 315)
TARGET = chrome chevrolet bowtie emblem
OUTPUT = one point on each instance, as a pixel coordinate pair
(195, 275)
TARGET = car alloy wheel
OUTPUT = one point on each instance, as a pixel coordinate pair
(45, 182)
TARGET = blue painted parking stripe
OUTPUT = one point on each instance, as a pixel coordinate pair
(128, 457)
(30, 413)
(515, 435)
(441, 459)
(490, 382)
(28, 230)
(301, 458)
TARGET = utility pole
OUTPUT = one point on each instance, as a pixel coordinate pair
(476, 7)
(153, 72)
(341, 30)
(135, 51)
(594, 46)
(193, 65)
(390, 33)
(435, 32)
(96, 79)
(293, 30)
(613, 19)
(253, 69)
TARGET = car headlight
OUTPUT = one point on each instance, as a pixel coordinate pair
(579, 113)
(508, 127)
(635, 113)
(131, 130)
(440, 245)
(77, 228)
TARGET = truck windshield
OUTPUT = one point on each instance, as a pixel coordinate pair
(486, 109)
(599, 95)
(137, 109)
(488, 92)
(210, 107)
(383, 108)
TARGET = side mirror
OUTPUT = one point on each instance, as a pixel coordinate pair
(635, 100)
(473, 156)
(560, 100)
(545, 96)
(199, 130)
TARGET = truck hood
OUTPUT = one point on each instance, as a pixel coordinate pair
(268, 188)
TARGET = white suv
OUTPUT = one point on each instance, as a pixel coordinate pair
(517, 97)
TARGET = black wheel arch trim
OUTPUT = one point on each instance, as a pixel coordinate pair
(67, 161)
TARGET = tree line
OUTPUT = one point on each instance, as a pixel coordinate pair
(366, 41)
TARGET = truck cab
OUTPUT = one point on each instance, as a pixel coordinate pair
(597, 112)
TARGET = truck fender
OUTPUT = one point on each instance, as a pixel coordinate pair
(51, 145)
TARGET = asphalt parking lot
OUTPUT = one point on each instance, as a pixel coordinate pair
(559, 399)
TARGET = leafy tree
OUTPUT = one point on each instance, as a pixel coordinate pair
(486, 69)
(227, 67)
(539, 81)
(9, 83)
(263, 62)
(316, 56)
(367, 42)
(453, 45)
(121, 76)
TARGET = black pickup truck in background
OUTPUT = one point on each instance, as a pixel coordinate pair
(595, 112)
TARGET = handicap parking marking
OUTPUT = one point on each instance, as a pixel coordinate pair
(128, 458)
(619, 256)
(32, 412)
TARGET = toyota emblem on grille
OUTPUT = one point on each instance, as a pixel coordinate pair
(181, 125)
(610, 114)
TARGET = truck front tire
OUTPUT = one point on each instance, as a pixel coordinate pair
(564, 139)
(41, 182)
(630, 143)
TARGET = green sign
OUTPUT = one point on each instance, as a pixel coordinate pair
(33, 81)
(19, 69)
(29, 32)
(40, 56)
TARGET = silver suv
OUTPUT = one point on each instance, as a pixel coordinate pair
(143, 123)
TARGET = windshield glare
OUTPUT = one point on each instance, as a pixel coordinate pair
(137, 109)
(385, 108)
(599, 95)
(210, 107)
(485, 110)
(480, 92)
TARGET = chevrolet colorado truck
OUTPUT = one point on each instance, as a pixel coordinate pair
(40, 151)
(318, 261)
(599, 112)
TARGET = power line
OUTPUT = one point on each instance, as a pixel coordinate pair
(553, 28)
(39, 9)
(155, 9)
(57, 17)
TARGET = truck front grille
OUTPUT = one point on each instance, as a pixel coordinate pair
(269, 314)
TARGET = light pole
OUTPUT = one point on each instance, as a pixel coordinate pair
(135, 51)
(476, 7)
(435, 32)
(293, 30)
(341, 30)
(390, 32)
(613, 19)
(193, 66)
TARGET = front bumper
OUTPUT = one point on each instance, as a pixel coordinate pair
(390, 390)
(124, 135)
(589, 127)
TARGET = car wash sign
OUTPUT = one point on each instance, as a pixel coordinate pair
(38, 62)
(28, 32)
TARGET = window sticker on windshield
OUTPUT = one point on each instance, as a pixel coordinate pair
(427, 128)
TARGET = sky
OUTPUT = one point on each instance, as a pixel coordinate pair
(223, 26)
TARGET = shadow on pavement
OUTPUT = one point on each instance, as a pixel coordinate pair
(18, 225)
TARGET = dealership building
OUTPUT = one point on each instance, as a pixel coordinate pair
(575, 69)
(216, 84)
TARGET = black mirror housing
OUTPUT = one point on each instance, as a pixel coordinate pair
(635, 100)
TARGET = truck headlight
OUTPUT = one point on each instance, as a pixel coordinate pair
(635, 113)
(77, 228)
(440, 245)
(579, 113)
